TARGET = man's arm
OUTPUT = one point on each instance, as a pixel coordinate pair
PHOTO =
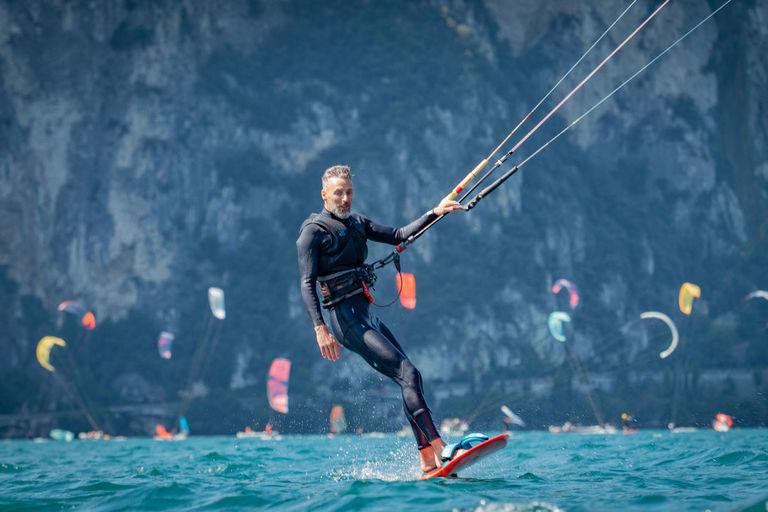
(308, 246)
(394, 236)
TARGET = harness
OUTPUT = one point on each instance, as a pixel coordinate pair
(348, 249)
(345, 284)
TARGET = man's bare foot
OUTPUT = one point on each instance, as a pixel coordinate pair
(430, 456)
(437, 447)
(428, 459)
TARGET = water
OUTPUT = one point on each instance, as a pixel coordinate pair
(538, 471)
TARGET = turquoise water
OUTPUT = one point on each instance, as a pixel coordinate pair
(652, 470)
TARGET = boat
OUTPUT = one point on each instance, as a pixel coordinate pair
(161, 434)
(405, 431)
(680, 430)
(570, 428)
(93, 435)
(722, 422)
(58, 434)
(265, 435)
(453, 427)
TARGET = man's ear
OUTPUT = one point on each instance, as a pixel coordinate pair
(322, 193)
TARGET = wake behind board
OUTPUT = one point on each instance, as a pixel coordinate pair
(469, 457)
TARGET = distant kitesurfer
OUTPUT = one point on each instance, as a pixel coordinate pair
(332, 248)
(626, 423)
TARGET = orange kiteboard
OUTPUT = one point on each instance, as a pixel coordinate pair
(466, 459)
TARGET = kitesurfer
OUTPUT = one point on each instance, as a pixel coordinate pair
(332, 247)
(626, 423)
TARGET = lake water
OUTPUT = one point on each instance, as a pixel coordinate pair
(538, 471)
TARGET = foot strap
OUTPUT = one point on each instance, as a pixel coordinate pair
(466, 443)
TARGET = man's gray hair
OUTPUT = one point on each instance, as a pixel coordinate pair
(337, 171)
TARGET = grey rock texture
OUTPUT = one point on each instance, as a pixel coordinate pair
(149, 150)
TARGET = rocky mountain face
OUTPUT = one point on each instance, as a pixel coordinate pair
(150, 150)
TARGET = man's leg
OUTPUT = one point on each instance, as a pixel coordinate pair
(378, 346)
(429, 452)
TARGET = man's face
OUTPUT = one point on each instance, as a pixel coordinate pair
(337, 196)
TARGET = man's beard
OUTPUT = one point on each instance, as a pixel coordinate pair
(342, 214)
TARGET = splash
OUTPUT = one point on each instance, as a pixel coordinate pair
(398, 465)
(534, 506)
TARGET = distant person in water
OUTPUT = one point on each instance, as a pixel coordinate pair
(332, 248)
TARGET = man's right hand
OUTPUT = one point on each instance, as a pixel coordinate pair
(447, 206)
(329, 347)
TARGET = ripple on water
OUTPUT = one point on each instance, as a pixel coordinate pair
(715, 498)
(258, 449)
(214, 456)
(691, 473)
(756, 506)
(596, 476)
(103, 487)
(733, 458)
(676, 483)
(244, 501)
(10, 468)
(158, 496)
(650, 499)
(235, 468)
(530, 476)
(144, 472)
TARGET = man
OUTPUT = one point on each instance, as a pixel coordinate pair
(332, 248)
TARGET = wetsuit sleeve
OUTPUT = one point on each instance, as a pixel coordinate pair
(308, 246)
(394, 236)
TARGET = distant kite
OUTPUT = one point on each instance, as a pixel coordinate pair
(81, 312)
(759, 294)
(216, 301)
(573, 298)
(555, 324)
(337, 420)
(514, 418)
(164, 343)
(688, 291)
(664, 318)
(277, 384)
(406, 283)
(43, 351)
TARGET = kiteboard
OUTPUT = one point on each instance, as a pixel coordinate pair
(466, 459)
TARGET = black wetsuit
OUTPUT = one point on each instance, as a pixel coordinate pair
(353, 323)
